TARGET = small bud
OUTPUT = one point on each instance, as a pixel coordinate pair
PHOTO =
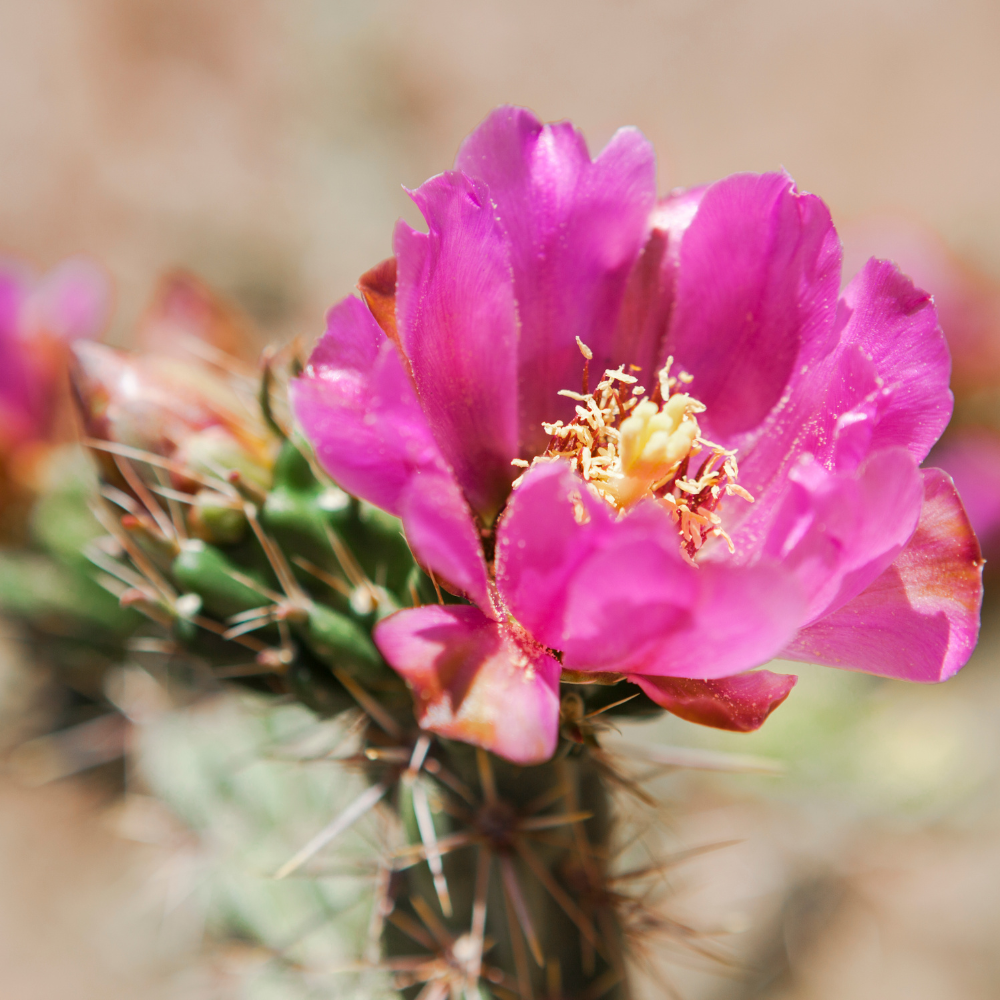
(173, 409)
(40, 316)
(275, 659)
(341, 643)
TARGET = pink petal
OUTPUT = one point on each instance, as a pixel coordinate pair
(38, 317)
(883, 384)
(476, 680)
(741, 617)
(575, 228)
(837, 533)
(967, 303)
(972, 458)
(896, 326)
(650, 292)
(356, 406)
(551, 524)
(740, 703)
(831, 407)
(615, 595)
(443, 536)
(358, 409)
(756, 293)
(629, 598)
(20, 397)
(920, 619)
(457, 325)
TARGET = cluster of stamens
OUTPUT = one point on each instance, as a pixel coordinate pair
(627, 446)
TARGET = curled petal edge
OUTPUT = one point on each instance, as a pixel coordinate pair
(740, 703)
(919, 620)
(476, 680)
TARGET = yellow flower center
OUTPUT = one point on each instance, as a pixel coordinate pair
(628, 446)
(653, 441)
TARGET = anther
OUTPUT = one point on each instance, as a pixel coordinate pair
(629, 448)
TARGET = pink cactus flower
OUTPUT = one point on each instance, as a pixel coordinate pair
(645, 439)
(39, 318)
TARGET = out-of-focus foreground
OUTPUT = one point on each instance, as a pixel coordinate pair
(262, 145)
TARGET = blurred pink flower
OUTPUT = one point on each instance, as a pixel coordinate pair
(188, 320)
(971, 456)
(39, 318)
(179, 410)
(630, 543)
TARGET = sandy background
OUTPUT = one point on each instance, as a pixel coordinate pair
(263, 145)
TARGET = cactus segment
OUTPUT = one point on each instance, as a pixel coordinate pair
(225, 590)
(342, 643)
(299, 506)
(497, 885)
(312, 684)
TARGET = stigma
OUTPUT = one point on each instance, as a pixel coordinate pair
(653, 441)
(628, 445)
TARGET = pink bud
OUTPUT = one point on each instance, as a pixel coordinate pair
(170, 408)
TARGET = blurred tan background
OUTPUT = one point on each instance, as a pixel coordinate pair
(263, 145)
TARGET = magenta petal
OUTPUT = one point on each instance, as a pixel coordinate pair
(896, 326)
(967, 305)
(70, 302)
(358, 409)
(740, 618)
(356, 406)
(20, 396)
(882, 385)
(457, 326)
(575, 228)
(628, 599)
(551, 524)
(476, 680)
(615, 595)
(553, 529)
(920, 619)
(756, 294)
(443, 536)
(649, 295)
(829, 415)
(837, 533)
(740, 703)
